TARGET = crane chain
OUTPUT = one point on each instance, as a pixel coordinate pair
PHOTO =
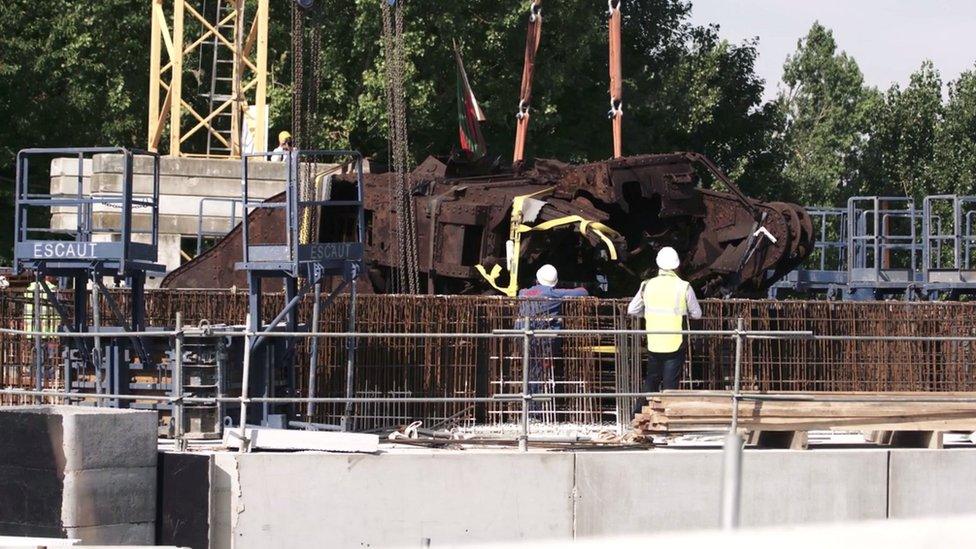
(407, 276)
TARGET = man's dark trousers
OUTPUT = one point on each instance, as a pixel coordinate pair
(663, 372)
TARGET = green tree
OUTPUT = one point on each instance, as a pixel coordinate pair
(955, 143)
(71, 74)
(684, 87)
(899, 158)
(75, 73)
(826, 106)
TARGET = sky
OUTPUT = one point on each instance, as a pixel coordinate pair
(889, 39)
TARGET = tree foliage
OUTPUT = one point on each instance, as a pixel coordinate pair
(75, 73)
(685, 88)
(825, 106)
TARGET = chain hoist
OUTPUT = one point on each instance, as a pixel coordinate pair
(407, 276)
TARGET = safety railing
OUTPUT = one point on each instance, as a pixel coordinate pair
(733, 445)
(36, 244)
(232, 222)
(177, 397)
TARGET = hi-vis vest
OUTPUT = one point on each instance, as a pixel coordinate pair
(664, 310)
(48, 323)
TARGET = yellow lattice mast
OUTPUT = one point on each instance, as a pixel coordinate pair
(236, 31)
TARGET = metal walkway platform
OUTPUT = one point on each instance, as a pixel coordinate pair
(886, 247)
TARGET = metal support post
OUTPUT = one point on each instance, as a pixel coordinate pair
(732, 452)
(291, 344)
(253, 325)
(314, 358)
(346, 422)
(526, 346)
(100, 374)
(177, 386)
(38, 343)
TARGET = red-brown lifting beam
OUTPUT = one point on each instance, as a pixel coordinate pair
(616, 113)
(532, 39)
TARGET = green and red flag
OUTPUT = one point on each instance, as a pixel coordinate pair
(470, 115)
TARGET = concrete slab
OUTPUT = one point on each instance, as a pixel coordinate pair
(115, 534)
(782, 487)
(915, 534)
(927, 483)
(264, 438)
(648, 492)
(294, 500)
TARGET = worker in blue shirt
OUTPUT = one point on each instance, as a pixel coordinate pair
(540, 306)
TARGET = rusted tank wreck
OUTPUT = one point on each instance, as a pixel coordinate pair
(600, 224)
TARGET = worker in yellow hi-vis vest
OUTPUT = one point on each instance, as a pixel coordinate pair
(44, 319)
(664, 301)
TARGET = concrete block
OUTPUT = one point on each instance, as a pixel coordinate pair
(183, 508)
(181, 185)
(647, 492)
(297, 500)
(72, 438)
(31, 439)
(109, 496)
(96, 438)
(115, 534)
(925, 483)
(29, 497)
(76, 467)
(69, 166)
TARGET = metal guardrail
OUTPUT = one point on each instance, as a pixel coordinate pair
(733, 445)
(177, 398)
(231, 224)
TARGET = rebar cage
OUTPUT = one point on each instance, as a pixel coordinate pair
(916, 356)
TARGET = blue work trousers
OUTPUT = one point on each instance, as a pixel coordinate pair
(663, 372)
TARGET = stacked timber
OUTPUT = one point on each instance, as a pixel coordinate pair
(691, 411)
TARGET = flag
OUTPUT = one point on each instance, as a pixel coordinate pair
(470, 115)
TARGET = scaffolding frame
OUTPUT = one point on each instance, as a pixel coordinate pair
(884, 247)
(249, 78)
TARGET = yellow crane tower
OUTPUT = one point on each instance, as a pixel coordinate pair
(223, 44)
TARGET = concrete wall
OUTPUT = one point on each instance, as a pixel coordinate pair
(289, 500)
(624, 493)
(401, 498)
(931, 483)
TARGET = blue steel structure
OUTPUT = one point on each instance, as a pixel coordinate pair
(299, 257)
(886, 247)
(76, 258)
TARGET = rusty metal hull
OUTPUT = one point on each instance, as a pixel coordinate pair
(462, 221)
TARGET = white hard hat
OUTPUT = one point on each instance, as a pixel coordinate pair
(667, 259)
(547, 275)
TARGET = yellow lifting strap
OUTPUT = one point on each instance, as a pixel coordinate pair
(518, 228)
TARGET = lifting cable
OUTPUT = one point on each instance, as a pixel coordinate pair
(616, 78)
(407, 278)
(532, 39)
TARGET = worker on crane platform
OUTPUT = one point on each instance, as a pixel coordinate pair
(540, 307)
(285, 145)
(664, 301)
